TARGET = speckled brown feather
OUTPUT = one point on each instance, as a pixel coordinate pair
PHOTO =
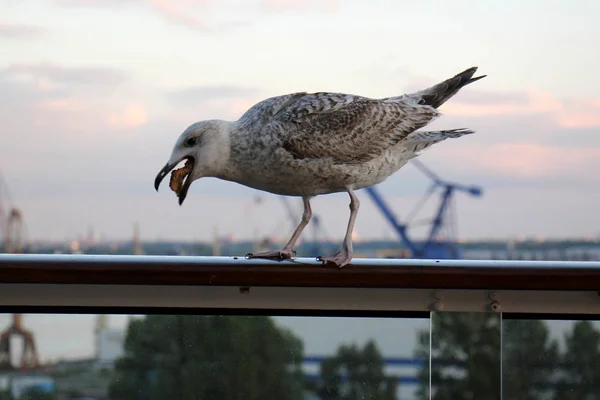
(349, 129)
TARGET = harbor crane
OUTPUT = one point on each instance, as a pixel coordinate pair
(12, 231)
(12, 225)
(432, 247)
(29, 355)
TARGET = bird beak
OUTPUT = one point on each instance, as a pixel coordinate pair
(161, 175)
(181, 179)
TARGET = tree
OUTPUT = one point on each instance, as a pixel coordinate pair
(581, 361)
(530, 360)
(465, 351)
(354, 374)
(208, 357)
(467, 355)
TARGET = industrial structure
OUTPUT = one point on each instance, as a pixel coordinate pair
(12, 225)
(109, 342)
(433, 246)
(12, 235)
(29, 357)
(137, 241)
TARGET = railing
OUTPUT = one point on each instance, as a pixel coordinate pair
(495, 305)
(236, 282)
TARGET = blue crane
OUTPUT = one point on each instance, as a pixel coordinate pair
(431, 247)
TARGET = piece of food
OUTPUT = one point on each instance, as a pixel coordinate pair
(178, 175)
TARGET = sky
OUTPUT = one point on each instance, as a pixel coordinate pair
(94, 93)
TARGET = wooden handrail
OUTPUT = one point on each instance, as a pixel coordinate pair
(303, 272)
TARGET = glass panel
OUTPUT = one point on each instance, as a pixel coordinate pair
(466, 354)
(209, 357)
(551, 359)
(356, 358)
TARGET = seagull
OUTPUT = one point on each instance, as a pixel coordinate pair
(309, 144)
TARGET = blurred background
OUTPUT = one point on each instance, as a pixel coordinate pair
(94, 93)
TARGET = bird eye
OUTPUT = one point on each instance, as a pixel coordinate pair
(190, 142)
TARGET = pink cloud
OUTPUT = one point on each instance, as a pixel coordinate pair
(131, 116)
(190, 13)
(306, 5)
(572, 113)
(59, 105)
(200, 14)
(80, 117)
(91, 3)
(54, 74)
(79, 102)
(582, 114)
(529, 160)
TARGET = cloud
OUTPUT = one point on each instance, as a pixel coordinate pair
(13, 31)
(93, 3)
(568, 113)
(131, 116)
(212, 16)
(531, 160)
(49, 74)
(302, 6)
(198, 15)
(75, 103)
(489, 98)
(61, 108)
(212, 101)
(59, 105)
(190, 13)
(576, 138)
(198, 94)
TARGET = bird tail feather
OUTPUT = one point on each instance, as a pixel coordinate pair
(420, 140)
(438, 94)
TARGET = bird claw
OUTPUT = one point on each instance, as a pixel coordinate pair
(279, 255)
(340, 259)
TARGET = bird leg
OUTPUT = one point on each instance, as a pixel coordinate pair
(344, 255)
(288, 249)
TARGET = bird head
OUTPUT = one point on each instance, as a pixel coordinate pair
(204, 146)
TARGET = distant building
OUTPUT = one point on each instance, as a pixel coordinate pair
(20, 386)
(109, 342)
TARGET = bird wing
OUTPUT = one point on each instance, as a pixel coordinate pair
(262, 112)
(347, 128)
